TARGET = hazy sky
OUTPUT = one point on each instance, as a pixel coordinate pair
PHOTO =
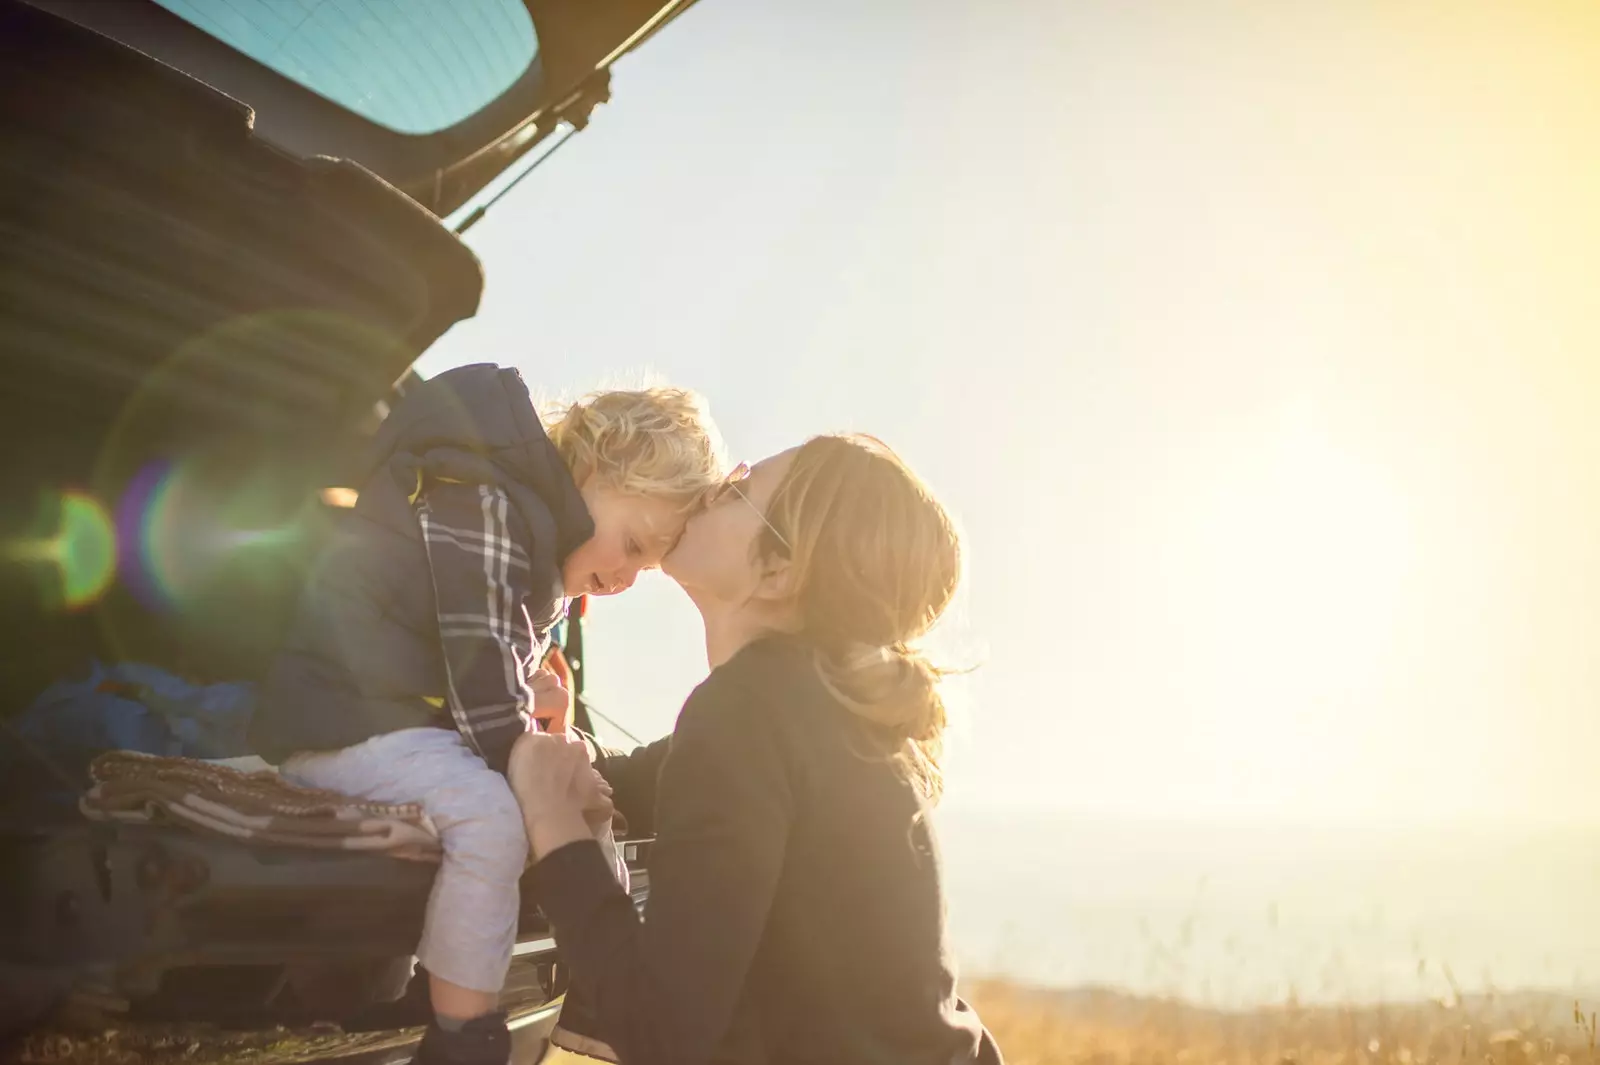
(1254, 344)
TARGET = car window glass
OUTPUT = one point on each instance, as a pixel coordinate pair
(414, 66)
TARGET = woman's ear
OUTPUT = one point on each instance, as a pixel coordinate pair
(776, 581)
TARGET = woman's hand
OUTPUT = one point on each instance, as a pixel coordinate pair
(563, 798)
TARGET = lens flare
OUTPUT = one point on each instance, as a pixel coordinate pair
(88, 549)
(207, 462)
(137, 574)
(178, 528)
(83, 551)
(173, 553)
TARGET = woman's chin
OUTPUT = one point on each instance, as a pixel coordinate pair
(679, 571)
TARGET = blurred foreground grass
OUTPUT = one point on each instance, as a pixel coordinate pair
(1033, 1026)
(194, 1044)
(1086, 1027)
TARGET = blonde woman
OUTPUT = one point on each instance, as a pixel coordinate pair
(796, 913)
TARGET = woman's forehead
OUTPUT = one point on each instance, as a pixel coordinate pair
(770, 470)
(773, 467)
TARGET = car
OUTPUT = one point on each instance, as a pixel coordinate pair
(222, 247)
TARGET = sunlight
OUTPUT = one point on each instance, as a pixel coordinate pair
(1295, 575)
(1316, 543)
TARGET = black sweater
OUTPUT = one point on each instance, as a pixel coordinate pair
(795, 911)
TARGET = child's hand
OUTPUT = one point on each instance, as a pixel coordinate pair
(552, 703)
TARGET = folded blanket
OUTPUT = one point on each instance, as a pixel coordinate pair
(258, 807)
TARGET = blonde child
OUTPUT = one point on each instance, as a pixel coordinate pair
(411, 666)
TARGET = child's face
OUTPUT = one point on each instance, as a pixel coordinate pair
(631, 533)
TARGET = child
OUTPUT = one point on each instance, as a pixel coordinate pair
(410, 667)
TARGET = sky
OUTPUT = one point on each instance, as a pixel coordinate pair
(1252, 344)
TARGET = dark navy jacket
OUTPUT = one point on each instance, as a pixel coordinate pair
(364, 656)
(797, 910)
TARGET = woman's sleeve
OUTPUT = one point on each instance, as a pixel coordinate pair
(665, 989)
(634, 778)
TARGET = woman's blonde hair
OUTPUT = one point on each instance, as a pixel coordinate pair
(656, 442)
(874, 562)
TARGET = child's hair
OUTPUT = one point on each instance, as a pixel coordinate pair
(657, 442)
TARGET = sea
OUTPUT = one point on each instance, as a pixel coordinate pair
(1238, 916)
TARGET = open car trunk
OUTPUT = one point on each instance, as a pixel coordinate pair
(199, 327)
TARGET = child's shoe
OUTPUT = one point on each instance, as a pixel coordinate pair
(481, 1041)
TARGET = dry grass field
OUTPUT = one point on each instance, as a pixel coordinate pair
(1106, 1028)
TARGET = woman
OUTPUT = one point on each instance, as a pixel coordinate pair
(795, 909)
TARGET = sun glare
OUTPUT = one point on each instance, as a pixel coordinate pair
(1292, 581)
(1318, 542)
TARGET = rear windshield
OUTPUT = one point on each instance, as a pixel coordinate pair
(413, 66)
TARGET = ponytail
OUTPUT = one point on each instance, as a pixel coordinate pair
(895, 690)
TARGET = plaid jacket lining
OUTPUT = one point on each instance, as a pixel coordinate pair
(481, 580)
